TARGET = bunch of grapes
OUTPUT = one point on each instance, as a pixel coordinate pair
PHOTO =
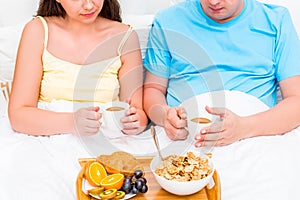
(135, 184)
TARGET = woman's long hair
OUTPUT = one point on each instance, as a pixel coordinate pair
(110, 10)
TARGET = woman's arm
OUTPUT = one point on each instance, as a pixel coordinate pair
(24, 115)
(131, 85)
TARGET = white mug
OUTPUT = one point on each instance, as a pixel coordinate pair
(112, 113)
(198, 121)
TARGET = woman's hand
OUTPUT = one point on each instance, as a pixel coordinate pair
(87, 120)
(132, 124)
(227, 130)
(175, 123)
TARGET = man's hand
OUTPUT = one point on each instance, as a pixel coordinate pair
(175, 124)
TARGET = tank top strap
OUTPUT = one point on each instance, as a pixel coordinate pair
(44, 22)
(124, 39)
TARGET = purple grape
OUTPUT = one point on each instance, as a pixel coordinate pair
(144, 189)
(138, 184)
(127, 187)
(138, 173)
(143, 180)
(134, 190)
(128, 179)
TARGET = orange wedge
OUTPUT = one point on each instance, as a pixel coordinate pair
(83, 161)
(113, 181)
(94, 173)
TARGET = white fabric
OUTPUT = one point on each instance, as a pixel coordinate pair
(294, 8)
(46, 167)
(3, 103)
(142, 7)
(141, 24)
(12, 13)
(108, 144)
(9, 42)
(38, 167)
(13, 16)
(261, 168)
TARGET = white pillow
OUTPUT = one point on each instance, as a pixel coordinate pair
(13, 17)
(9, 42)
(142, 25)
(173, 2)
(12, 13)
(293, 7)
(141, 7)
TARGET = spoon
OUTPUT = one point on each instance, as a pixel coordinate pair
(156, 142)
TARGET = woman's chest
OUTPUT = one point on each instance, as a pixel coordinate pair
(82, 48)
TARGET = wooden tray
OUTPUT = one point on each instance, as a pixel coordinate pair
(154, 189)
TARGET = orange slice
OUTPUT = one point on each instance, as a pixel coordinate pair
(94, 173)
(113, 181)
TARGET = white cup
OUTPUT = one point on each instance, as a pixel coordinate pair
(198, 121)
(112, 113)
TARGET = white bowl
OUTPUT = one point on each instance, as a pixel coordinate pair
(182, 188)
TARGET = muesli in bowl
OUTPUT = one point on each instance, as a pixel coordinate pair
(183, 174)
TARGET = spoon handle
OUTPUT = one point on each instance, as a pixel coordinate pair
(156, 142)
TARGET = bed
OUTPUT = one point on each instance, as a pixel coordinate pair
(261, 168)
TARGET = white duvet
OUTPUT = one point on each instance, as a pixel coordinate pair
(261, 168)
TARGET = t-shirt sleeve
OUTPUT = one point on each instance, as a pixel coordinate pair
(157, 57)
(287, 51)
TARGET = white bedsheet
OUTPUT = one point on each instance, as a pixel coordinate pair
(261, 168)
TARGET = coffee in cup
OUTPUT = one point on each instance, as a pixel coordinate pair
(201, 120)
(196, 123)
(115, 108)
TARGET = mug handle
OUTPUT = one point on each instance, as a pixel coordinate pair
(101, 119)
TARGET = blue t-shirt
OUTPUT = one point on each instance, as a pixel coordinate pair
(251, 53)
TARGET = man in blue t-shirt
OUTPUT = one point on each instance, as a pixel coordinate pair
(200, 46)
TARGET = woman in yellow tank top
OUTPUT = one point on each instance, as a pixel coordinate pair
(77, 51)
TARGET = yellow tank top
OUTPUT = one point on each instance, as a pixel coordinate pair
(62, 80)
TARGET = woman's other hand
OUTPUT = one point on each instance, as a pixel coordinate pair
(87, 120)
(132, 123)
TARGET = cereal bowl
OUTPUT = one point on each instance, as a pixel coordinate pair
(183, 187)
